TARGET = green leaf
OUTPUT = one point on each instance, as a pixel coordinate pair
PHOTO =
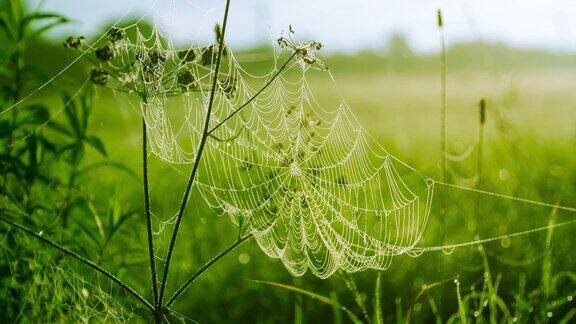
(43, 16)
(34, 114)
(97, 144)
(8, 26)
(111, 164)
(5, 128)
(86, 104)
(44, 29)
(90, 233)
(54, 125)
(76, 152)
(71, 110)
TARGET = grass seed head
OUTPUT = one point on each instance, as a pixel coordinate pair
(74, 42)
(482, 106)
(105, 53)
(187, 56)
(115, 34)
(99, 76)
(186, 78)
(440, 21)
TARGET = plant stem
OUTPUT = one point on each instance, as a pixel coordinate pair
(481, 126)
(443, 105)
(153, 274)
(205, 267)
(442, 98)
(82, 259)
(255, 95)
(197, 159)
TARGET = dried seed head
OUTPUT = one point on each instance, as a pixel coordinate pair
(282, 42)
(482, 106)
(74, 42)
(187, 56)
(218, 32)
(115, 34)
(440, 22)
(99, 76)
(156, 57)
(246, 165)
(105, 53)
(309, 60)
(186, 78)
(207, 53)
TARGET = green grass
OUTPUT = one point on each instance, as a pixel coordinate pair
(528, 151)
(532, 157)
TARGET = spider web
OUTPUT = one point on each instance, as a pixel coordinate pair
(309, 182)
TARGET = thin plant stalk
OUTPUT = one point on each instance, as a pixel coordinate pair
(479, 165)
(153, 275)
(443, 104)
(197, 159)
(82, 259)
(205, 267)
(482, 111)
(443, 107)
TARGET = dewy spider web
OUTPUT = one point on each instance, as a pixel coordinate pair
(309, 183)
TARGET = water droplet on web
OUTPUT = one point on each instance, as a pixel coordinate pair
(485, 302)
(476, 313)
(549, 314)
(505, 242)
(569, 298)
(448, 250)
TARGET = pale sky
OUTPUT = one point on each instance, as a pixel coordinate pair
(345, 25)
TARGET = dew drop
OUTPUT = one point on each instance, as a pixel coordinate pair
(549, 314)
(417, 307)
(476, 313)
(569, 298)
(448, 250)
(503, 174)
(244, 258)
(505, 242)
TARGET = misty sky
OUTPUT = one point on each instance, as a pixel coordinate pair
(344, 25)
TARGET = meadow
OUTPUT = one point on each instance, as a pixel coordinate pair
(527, 150)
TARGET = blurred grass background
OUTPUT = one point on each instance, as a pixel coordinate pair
(529, 152)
